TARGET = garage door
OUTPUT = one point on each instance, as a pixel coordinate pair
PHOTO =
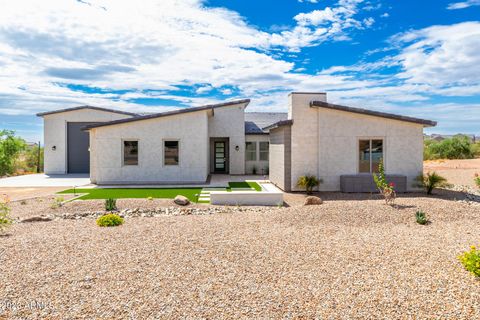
(77, 147)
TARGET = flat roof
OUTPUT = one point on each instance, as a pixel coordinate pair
(41, 114)
(168, 113)
(321, 104)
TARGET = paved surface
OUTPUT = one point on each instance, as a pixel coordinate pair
(23, 193)
(43, 180)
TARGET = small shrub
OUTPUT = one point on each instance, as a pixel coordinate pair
(110, 204)
(109, 220)
(150, 198)
(5, 219)
(308, 183)
(57, 203)
(421, 217)
(471, 260)
(23, 202)
(431, 181)
(387, 190)
(477, 180)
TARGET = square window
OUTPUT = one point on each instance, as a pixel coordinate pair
(264, 150)
(251, 151)
(170, 153)
(130, 153)
(370, 155)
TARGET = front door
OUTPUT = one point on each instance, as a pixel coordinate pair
(220, 156)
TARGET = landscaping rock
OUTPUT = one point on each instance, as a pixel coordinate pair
(181, 200)
(312, 200)
(37, 219)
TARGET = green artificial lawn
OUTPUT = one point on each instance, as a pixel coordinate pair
(245, 185)
(119, 193)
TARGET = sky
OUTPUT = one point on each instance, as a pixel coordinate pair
(415, 58)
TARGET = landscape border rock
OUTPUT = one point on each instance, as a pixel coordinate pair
(312, 200)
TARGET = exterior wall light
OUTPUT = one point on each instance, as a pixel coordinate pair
(54, 148)
(237, 148)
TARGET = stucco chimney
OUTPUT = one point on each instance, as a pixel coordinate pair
(299, 102)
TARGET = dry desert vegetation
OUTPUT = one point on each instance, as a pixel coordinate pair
(353, 257)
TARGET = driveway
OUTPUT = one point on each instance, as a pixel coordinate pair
(43, 180)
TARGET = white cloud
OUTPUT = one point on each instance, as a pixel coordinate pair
(161, 45)
(310, 1)
(463, 4)
(441, 55)
(385, 15)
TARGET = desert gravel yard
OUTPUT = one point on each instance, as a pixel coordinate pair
(350, 258)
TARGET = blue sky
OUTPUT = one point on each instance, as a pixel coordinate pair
(418, 58)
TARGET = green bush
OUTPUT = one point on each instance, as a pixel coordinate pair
(471, 260)
(457, 147)
(109, 220)
(110, 204)
(5, 219)
(421, 217)
(477, 180)
(431, 181)
(308, 183)
(10, 148)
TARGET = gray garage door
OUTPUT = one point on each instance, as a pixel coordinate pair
(77, 147)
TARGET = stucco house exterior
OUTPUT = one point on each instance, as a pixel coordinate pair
(186, 146)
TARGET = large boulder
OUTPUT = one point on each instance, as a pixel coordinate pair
(181, 200)
(311, 200)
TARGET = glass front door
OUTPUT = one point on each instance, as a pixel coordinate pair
(220, 156)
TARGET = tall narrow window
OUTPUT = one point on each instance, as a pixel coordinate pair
(251, 151)
(371, 153)
(130, 153)
(264, 150)
(170, 152)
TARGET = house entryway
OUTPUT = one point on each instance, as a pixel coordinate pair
(219, 155)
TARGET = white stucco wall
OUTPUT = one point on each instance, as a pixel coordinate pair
(190, 129)
(339, 134)
(262, 166)
(229, 122)
(304, 134)
(325, 143)
(55, 134)
(280, 157)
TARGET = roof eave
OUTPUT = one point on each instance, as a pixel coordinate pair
(42, 114)
(279, 124)
(326, 105)
(209, 107)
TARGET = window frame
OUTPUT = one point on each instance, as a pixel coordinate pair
(250, 151)
(264, 151)
(370, 139)
(164, 149)
(123, 152)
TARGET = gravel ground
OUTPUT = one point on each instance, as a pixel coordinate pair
(352, 257)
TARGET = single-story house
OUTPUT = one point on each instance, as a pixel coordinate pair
(333, 142)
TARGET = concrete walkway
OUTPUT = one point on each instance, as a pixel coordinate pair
(43, 180)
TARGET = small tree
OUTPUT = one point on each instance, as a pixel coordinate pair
(386, 189)
(10, 148)
(308, 182)
(477, 180)
(430, 181)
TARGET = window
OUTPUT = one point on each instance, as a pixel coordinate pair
(371, 153)
(264, 150)
(170, 153)
(130, 153)
(251, 151)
